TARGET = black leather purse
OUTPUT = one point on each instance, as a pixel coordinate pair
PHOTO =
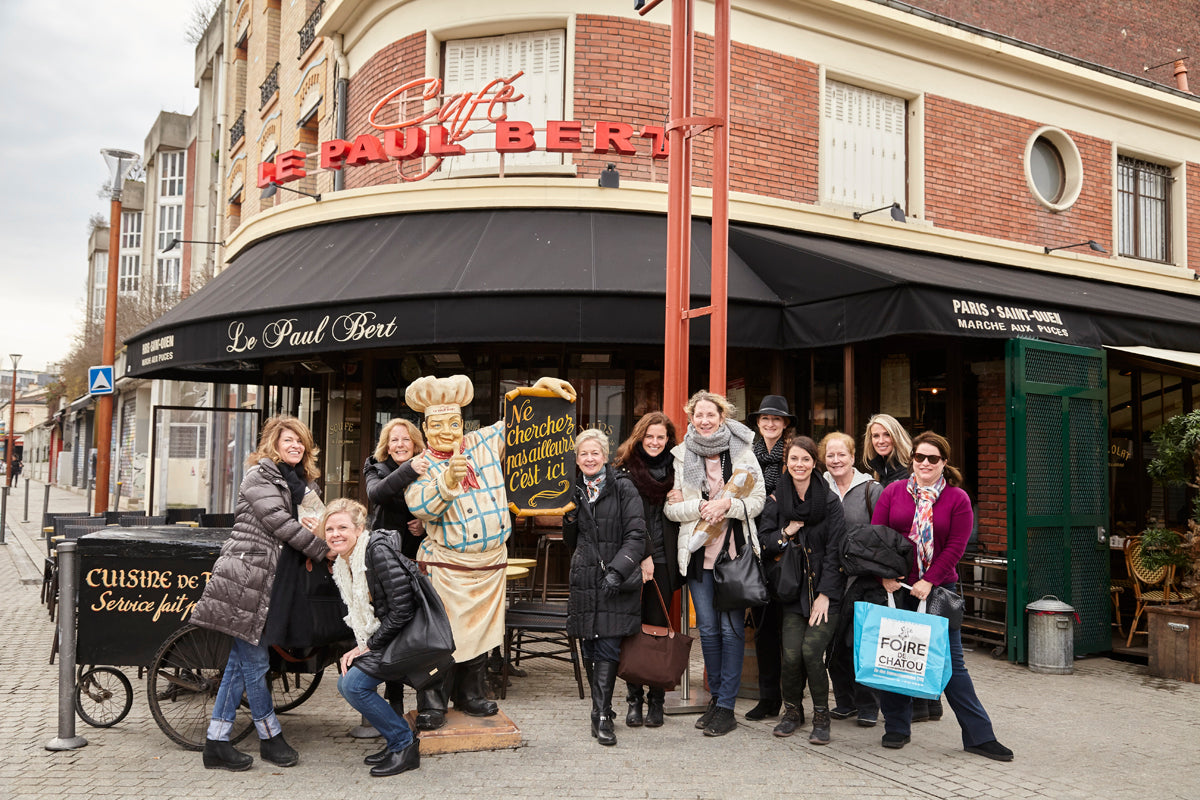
(739, 583)
(946, 603)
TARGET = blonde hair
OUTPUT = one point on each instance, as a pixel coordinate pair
(593, 434)
(726, 408)
(353, 509)
(381, 449)
(836, 436)
(269, 439)
(901, 443)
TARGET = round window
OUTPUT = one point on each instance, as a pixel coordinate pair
(1053, 169)
(1046, 168)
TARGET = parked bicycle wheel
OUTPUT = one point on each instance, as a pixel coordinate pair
(290, 689)
(182, 685)
(103, 696)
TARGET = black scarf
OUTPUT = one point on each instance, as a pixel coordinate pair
(811, 510)
(642, 468)
(771, 463)
(296, 484)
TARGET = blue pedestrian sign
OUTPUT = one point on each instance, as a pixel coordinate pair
(100, 380)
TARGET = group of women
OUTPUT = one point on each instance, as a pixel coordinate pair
(661, 513)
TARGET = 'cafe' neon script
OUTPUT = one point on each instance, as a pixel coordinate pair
(406, 140)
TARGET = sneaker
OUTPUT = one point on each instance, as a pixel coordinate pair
(791, 720)
(707, 716)
(894, 741)
(868, 719)
(722, 722)
(993, 750)
(840, 712)
(765, 708)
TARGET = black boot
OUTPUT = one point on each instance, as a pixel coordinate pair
(654, 707)
(791, 720)
(278, 751)
(766, 707)
(470, 697)
(820, 728)
(401, 761)
(376, 758)
(707, 716)
(223, 755)
(636, 695)
(431, 706)
(606, 681)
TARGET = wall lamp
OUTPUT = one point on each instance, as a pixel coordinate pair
(269, 191)
(171, 245)
(897, 212)
(610, 178)
(1092, 243)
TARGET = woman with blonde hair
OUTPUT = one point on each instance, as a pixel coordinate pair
(240, 596)
(886, 449)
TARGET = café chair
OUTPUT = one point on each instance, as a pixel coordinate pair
(542, 624)
(1151, 587)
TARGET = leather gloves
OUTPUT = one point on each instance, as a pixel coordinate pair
(611, 583)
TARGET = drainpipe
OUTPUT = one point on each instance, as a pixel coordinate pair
(339, 101)
(1181, 81)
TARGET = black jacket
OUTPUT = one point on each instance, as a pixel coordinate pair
(822, 548)
(886, 471)
(613, 531)
(391, 595)
(385, 494)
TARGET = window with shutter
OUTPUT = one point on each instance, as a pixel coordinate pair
(863, 160)
(470, 64)
(1144, 209)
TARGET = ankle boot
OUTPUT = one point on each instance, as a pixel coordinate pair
(401, 761)
(654, 707)
(791, 720)
(278, 751)
(606, 681)
(470, 697)
(766, 708)
(223, 755)
(635, 696)
(820, 729)
(707, 716)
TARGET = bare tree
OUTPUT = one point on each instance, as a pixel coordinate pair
(95, 222)
(199, 18)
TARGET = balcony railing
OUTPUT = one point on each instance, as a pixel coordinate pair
(238, 131)
(309, 31)
(270, 86)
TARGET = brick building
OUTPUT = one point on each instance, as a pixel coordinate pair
(1002, 141)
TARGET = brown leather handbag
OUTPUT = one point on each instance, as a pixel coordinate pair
(655, 656)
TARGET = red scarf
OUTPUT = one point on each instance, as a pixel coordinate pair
(471, 481)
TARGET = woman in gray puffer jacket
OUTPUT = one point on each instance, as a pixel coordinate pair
(238, 597)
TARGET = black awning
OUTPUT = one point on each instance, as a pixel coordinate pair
(837, 292)
(524, 275)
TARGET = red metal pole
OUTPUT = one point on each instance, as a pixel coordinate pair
(720, 201)
(12, 421)
(104, 406)
(678, 229)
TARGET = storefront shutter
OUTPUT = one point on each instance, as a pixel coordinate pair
(862, 144)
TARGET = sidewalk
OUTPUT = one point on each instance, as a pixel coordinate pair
(1108, 731)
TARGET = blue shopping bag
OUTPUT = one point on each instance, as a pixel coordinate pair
(906, 652)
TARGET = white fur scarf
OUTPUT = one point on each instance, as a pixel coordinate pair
(350, 575)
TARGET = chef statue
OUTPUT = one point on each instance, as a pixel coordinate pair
(462, 500)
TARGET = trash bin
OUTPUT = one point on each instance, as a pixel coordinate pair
(1051, 636)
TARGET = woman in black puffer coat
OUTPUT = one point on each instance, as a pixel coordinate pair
(396, 463)
(607, 534)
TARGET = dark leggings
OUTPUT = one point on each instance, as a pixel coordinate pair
(804, 658)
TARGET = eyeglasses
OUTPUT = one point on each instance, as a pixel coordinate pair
(920, 458)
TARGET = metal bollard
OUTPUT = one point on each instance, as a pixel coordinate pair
(26, 517)
(3, 512)
(45, 501)
(682, 701)
(88, 507)
(67, 580)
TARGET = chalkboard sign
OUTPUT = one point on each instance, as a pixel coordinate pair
(539, 452)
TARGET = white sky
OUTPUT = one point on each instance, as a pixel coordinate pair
(78, 76)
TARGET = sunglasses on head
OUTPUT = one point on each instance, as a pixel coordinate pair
(923, 457)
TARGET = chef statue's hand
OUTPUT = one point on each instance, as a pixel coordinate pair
(456, 470)
(560, 387)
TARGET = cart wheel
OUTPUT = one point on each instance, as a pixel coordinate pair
(290, 689)
(103, 696)
(182, 684)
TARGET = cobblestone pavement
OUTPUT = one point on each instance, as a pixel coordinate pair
(1108, 731)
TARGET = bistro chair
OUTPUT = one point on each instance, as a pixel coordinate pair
(175, 515)
(66, 528)
(141, 520)
(550, 538)
(1151, 587)
(217, 520)
(542, 624)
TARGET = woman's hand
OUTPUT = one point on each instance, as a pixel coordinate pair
(348, 658)
(647, 570)
(890, 585)
(792, 528)
(309, 523)
(420, 464)
(416, 527)
(674, 496)
(921, 589)
(714, 511)
(820, 611)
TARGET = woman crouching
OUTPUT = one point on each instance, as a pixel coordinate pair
(379, 595)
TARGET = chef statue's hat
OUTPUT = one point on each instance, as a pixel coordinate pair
(439, 395)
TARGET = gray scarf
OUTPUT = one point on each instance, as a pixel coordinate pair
(732, 436)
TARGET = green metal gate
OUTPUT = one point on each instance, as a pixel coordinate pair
(1058, 488)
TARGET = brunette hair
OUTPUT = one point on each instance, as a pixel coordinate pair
(806, 444)
(593, 434)
(724, 406)
(901, 443)
(625, 451)
(355, 510)
(951, 474)
(381, 449)
(836, 436)
(268, 440)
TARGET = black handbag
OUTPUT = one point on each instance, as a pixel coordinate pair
(945, 603)
(738, 583)
(316, 612)
(655, 656)
(424, 650)
(785, 575)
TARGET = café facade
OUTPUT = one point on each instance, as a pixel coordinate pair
(468, 221)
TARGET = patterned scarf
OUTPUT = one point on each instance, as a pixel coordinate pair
(921, 533)
(471, 481)
(771, 462)
(594, 484)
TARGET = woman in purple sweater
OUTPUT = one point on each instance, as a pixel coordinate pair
(937, 515)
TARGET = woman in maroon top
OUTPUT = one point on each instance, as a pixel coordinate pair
(937, 515)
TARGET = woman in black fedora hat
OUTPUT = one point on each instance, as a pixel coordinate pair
(772, 420)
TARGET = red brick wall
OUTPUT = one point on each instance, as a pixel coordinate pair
(1193, 222)
(992, 499)
(975, 179)
(394, 65)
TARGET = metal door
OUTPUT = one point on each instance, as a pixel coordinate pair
(1058, 488)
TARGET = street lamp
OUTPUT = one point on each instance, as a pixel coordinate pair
(12, 420)
(118, 161)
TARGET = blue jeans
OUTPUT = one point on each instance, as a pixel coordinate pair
(245, 673)
(722, 640)
(359, 689)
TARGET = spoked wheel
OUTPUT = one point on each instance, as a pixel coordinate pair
(103, 696)
(182, 685)
(290, 689)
